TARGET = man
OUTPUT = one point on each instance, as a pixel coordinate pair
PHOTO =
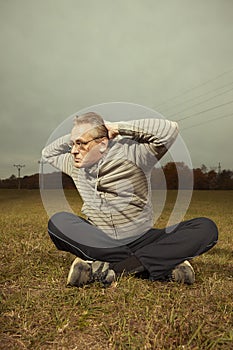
(111, 166)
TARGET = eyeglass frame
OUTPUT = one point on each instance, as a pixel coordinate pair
(82, 144)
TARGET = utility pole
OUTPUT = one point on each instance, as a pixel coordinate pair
(19, 167)
(219, 168)
(42, 162)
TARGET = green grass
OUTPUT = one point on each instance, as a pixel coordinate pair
(40, 312)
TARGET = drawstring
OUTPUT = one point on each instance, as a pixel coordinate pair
(96, 180)
(97, 174)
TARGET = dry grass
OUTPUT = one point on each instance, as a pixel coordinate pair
(39, 312)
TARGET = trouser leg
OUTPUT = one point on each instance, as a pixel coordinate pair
(71, 233)
(160, 252)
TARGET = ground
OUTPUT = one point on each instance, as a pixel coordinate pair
(40, 312)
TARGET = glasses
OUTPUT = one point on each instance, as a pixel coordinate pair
(82, 144)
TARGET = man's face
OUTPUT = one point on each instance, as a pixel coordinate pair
(85, 149)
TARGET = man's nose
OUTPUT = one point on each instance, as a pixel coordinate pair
(75, 149)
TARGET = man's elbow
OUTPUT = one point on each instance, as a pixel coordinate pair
(176, 129)
(45, 154)
(174, 132)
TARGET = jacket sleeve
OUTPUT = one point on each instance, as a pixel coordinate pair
(58, 154)
(152, 135)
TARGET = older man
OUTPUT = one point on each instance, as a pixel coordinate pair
(111, 166)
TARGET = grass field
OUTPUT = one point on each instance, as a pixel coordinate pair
(40, 312)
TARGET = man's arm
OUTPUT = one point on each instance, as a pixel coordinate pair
(157, 135)
(57, 154)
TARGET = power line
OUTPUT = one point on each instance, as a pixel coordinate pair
(206, 100)
(208, 121)
(206, 110)
(195, 87)
(201, 95)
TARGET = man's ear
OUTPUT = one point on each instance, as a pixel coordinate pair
(103, 145)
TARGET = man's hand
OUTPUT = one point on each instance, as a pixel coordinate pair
(112, 130)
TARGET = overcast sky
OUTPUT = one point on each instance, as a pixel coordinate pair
(59, 57)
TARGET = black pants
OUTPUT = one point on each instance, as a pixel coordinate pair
(158, 251)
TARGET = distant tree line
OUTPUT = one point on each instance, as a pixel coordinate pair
(49, 181)
(170, 176)
(203, 179)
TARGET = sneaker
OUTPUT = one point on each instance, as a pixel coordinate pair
(101, 272)
(184, 273)
(85, 272)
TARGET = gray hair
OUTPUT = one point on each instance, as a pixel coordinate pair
(94, 119)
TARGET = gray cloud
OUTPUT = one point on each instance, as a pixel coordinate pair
(59, 57)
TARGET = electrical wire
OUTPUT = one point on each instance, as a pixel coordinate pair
(196, 97)
(207, 121)
(205, 110)
(206, 100)
(195, 87)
